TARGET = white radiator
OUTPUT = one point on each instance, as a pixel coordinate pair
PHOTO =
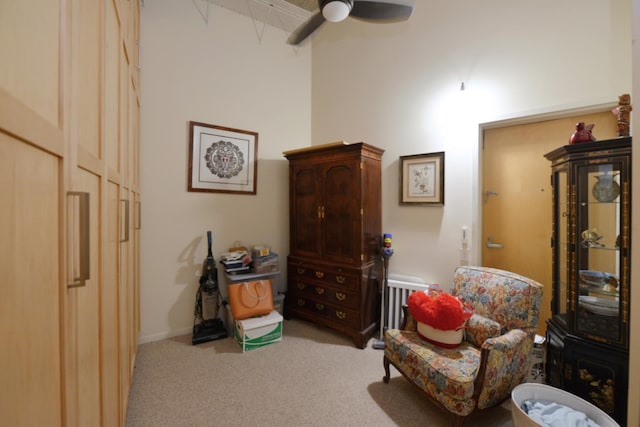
(399, 288)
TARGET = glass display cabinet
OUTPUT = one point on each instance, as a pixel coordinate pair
(588, 333)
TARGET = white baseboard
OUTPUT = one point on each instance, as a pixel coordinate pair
(143, 339)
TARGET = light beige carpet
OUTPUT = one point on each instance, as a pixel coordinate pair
(313, 377)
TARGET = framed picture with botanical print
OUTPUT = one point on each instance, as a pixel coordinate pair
(422, 179)
(222, 159)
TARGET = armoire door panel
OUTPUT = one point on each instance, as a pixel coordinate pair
(307, 212)
(342, 213)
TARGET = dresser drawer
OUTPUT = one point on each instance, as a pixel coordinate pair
(328, 312)
(336, 277)
(324, 294)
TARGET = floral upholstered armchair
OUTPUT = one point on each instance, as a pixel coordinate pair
(493, 357)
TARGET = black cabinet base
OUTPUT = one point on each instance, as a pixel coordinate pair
(595, 372)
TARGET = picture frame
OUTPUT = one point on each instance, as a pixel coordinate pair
(422, 179)
(222, 159)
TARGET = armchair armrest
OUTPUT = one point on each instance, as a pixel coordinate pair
(479, 329)
(511, 340)
(408, 321)
(504, 362)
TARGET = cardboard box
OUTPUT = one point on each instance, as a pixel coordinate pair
(258, 331)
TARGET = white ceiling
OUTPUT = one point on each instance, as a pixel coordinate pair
(284, 14)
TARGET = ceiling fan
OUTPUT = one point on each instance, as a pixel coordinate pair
(339, 10)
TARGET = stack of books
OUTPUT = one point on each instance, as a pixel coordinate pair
(238, 262)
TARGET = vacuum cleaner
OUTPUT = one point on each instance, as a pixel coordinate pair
(207, 325)
(387, 251)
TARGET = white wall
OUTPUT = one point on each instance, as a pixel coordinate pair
(396, 86)
(218, 73)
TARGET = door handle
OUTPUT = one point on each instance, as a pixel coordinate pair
(488, 194)
(78, 243)
(492, 245)
(125, 215)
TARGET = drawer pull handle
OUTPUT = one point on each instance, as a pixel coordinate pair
(320, 307)
(340, 279)
(301, 286)
(301, 302)
(340, 296)
(300, 270)
(319, 274)
(341, 315)
(319, 291)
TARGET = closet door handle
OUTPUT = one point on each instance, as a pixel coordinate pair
(126, 220)
(78, 239)
(138, 215)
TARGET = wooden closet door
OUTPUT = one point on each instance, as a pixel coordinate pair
(29, 293)
(31, 167)
(82, 328)
(86, 168)
(109, 325)
(109, 331)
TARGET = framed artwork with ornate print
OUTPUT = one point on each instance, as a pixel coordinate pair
(222, 159)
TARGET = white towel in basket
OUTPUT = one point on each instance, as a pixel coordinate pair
(551, 414)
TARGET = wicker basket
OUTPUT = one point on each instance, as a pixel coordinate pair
(535, 391)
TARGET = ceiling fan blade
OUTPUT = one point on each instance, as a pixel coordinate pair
(381, 10)
(304, 30)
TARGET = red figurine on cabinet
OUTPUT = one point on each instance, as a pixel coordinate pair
(582, 133)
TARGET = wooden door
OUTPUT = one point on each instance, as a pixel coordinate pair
(32, 157)
(82, 117)
(516, 196)
(29, 295)
(112, 409)
(124, 318)
(82, 327)
(110, 321)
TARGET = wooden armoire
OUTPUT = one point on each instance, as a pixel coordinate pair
(333, 267)
(69, 211)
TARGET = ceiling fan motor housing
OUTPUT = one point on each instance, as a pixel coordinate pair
(335, 10)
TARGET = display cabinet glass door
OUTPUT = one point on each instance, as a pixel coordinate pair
(598, 310)
(561, 247)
